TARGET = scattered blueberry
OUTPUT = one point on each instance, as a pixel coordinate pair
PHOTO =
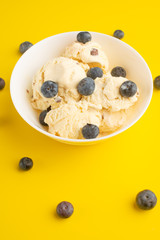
(65, 209)
(146, 200)
(118, 34)
(49, 109)
(95, 72)
(84, 37)
(94, 52)
(157, 82)
(26, 163)
(49, 89)
(25, 46)
(90, 131)
(118, 72)
(86, 86)
(128, 89)
(2, 83)
(42, 117)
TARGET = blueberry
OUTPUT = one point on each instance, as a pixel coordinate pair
(146, 200)
(86, 86)
(84, 37)
(118, 34)
(90, 131)
(118, 72)
(128, 89)
(49, 109)
(25, 46)
(49, 89)
(95, 72)
(2, 83)
(26, 163)
(157, 82)
(65, 209)
(42, 117)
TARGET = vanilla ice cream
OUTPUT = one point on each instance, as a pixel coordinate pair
(90, 53)
(69, 111)
(69, 118)
(114, 100)
(111, 121)
(66, 72)
(107, 95)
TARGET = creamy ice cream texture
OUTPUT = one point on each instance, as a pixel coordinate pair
(107, 96)
(66, 72)
(90, 53)
(70, 111)
(69, 118)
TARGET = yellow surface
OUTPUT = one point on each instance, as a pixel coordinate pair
(100, 180)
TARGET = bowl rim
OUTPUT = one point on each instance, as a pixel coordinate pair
(81, 140)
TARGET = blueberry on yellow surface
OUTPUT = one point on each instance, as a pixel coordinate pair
(65, 209)
(146, 200)
(2, 83)
(118, 34)
(157, 82)
(25, 46)
(26, 163)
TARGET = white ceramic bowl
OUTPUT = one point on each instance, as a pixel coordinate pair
(119, 54)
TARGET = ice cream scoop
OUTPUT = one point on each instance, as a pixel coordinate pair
(115, 101)
(69, 119)
(66, 72)
(90, 53)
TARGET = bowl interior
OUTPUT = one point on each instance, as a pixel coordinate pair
(119, 54)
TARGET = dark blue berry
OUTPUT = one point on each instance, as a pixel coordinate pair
(146, 200)
(25, 46)
(128, 89)
(49, 109)
(118, 34)
(86, 86)
(84, 37)
(118, 72)
(2, 83)
(65, 209)
(49, 89)
(42, 116)
(157, 82)
(26, 163)
(95, 72)
(90, 131)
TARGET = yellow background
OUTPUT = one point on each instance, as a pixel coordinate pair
(100, 180)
